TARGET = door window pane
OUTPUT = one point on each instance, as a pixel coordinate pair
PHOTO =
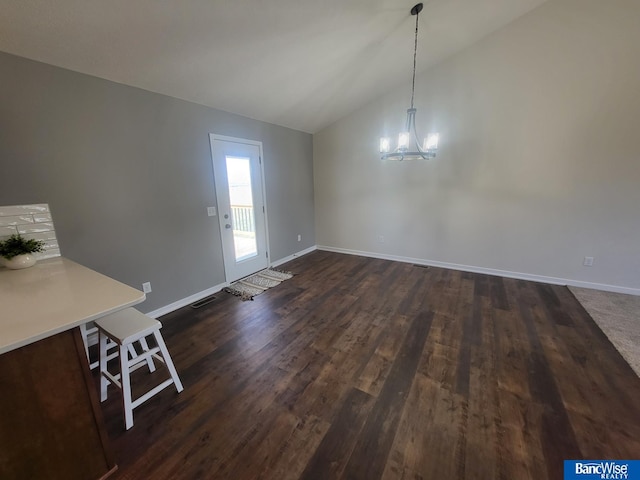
(242, 208)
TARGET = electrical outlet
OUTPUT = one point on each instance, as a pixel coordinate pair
(146, 287)
(588, 262)
(380, 238)
(299, 238)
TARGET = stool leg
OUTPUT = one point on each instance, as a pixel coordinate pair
(85, 335)
(145, 347)
(132, 350)
(167, 360)
(126, 387)
(104, 383)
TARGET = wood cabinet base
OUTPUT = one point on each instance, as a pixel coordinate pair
(51, 426)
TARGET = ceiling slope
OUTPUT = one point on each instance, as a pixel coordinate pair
(298, 63)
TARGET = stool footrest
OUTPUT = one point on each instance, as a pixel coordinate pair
(151, 393)
(139, 360)
(114, 379)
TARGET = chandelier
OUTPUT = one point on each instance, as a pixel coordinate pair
(408, 145)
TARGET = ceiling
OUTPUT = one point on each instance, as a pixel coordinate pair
(298, 63)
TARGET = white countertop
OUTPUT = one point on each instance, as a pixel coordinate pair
(55, 295)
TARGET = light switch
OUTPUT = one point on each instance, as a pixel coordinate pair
(211, 211)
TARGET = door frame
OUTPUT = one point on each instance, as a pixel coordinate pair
(256, 143)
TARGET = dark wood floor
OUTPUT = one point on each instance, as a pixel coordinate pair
(363, 369)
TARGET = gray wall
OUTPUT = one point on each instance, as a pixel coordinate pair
(128, 176)
(539, 163)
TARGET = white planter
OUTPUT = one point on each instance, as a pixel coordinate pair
(19, 261)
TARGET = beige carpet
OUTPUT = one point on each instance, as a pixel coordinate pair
(618, 316)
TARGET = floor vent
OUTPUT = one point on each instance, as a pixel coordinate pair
(203, 302)
(421, 266)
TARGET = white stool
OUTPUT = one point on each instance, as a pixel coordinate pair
(124, 328)
(87, 331)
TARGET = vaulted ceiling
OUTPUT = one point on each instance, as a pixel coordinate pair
(298, 63)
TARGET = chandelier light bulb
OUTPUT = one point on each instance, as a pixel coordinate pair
(403, 140)
(431, 142)
(385, 145)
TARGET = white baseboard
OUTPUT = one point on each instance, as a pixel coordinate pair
(186, 301)
(295, 255)
(488, 271)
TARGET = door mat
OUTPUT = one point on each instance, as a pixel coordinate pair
(258, 283)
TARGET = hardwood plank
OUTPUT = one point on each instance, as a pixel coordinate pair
(521, 454)
(429, 442)
(333, 452)
(556, 432)
(512, 354)
(440, 358)
(293, 454)
(483, 430)
(370, 453)
(499, 299)
(377, 369)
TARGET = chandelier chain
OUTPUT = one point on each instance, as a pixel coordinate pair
(415, 51)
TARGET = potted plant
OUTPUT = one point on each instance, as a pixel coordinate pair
(16, 251)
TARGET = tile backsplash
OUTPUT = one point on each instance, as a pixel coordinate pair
(30, 221)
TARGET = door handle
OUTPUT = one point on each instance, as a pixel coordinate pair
(227, 226)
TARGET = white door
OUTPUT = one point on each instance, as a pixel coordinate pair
(237, 170)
